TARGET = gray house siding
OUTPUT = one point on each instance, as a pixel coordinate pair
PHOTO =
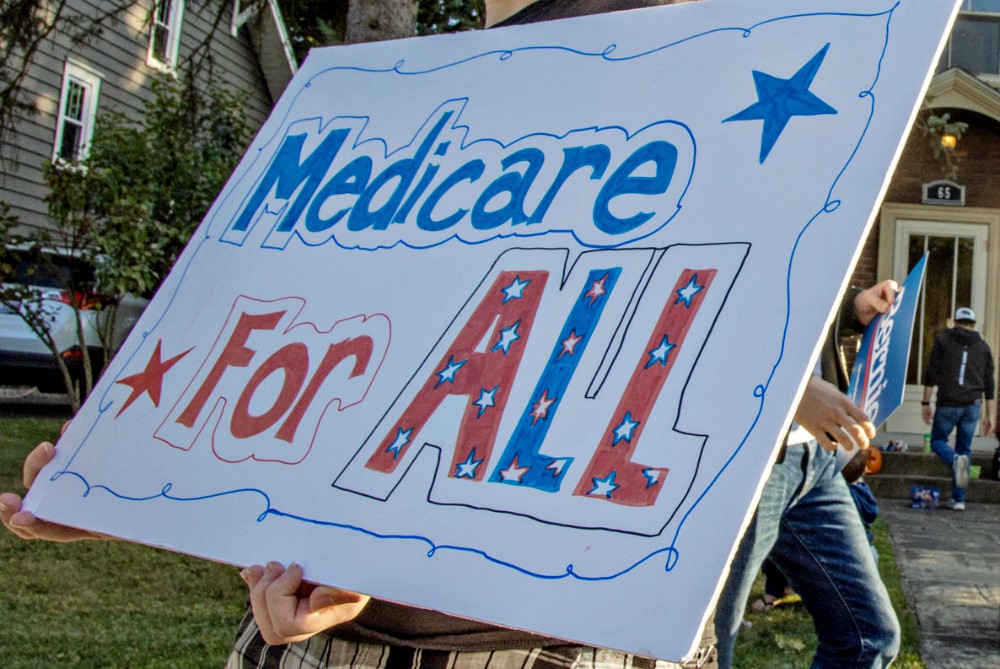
(119, 56)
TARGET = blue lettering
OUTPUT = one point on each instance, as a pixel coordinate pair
(286, 173)
(664, 157)
(351, 180)
(471, 171)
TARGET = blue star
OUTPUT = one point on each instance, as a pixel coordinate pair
(604, 486)
(468, 468)
(448, 373)
(778, 100)
(660, 353)
(687, 293)
(402, 439)
(625, 429)
(515, 290)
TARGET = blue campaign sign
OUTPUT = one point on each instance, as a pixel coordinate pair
(878, 378)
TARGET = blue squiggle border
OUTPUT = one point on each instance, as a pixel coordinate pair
(760, 391)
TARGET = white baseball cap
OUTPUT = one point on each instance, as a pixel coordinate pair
(965, 314)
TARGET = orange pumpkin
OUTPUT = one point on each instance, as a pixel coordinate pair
(874, 461)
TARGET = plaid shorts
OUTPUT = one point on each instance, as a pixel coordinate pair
(324, 651)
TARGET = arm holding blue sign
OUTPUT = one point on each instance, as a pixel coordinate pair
(826, 412)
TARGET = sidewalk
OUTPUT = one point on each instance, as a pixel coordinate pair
(949, 562)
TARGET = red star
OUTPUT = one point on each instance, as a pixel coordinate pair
(149, 380)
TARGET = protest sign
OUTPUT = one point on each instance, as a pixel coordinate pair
(510, 323)
(878, 376)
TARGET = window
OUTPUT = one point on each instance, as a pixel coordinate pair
(77, 111)
(241, 15)
(956, 277)
(974, 43)
(165, 34)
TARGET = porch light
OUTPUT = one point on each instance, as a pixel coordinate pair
(949, 142)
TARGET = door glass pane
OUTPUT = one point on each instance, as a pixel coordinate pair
(947, 286)
(914, 367)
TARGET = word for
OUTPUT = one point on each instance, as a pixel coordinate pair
(285, 374)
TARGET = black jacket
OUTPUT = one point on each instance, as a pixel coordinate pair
(961, 366)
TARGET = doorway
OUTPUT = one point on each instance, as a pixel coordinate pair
(962, 271)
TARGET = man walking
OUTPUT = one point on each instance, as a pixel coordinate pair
(961, 366)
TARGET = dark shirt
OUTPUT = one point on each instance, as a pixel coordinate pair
(961, 366)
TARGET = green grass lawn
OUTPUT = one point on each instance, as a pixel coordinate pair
(112, 604)
(106, 603)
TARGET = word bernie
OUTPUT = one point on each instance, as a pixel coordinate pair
(337, 183)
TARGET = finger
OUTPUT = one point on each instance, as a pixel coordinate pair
(284, 605)
(826, 442)
(284, 587)
(324, 597)
(40, 456)
(855, 437)
(27, 526)
(65, 426)
(259, 579)
(251, 575)
(10, 504)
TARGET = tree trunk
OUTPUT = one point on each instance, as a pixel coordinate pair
(375, 20)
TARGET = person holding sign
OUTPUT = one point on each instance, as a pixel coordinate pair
(961, 367)
(807, 524)
(296, 623)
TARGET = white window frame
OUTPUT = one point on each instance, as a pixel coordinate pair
(90, 80)
(991, 79)
(240, 17)
(173, 25)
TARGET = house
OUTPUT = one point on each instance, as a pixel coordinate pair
(955, 220)
(70, 84)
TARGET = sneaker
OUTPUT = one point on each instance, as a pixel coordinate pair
(956, 506)
(960, 465)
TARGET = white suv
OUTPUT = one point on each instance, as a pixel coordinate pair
(25, 360)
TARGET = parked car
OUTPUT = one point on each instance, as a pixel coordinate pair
(25, 360)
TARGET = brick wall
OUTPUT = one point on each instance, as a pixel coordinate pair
(978, 160)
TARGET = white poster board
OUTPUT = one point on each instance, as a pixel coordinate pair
(510, 323)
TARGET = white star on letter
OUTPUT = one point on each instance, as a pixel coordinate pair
(507, 337)
(557, 466)
(625, 429)
(689, 291)
(652, 476)
(448, 373)
(597, 289)
(605, 486)
(569, 343)
(487, 398)
(468, 468)
(514, 473)
(402, 439)
(514, 290)
(540, 409)
(660, 353)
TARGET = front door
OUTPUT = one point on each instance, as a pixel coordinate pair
(955, 277)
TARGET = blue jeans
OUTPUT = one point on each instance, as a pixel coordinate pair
(946, 419)
(807, 524)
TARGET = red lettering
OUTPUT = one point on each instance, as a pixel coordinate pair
(611, 475)
(293, 361)
(485, 378)
(235, 354)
